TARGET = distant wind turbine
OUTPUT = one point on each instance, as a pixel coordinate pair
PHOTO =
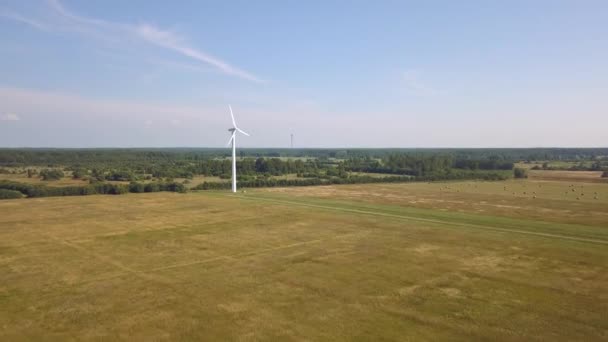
(233, 141)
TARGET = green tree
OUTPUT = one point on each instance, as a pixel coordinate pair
(51, 174)
(520, 173)
(79, 173)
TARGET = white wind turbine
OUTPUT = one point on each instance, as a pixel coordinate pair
(233, 141)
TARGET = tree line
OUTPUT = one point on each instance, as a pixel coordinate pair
(145, 157)
(38, 190)
(420, 165)
(261, 182)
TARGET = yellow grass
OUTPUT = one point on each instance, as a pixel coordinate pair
(573, 176)
(65, 181)
(367, 262)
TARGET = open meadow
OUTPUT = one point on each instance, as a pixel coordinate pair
(512, 260)
(303, 171)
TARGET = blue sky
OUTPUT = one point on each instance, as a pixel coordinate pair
(333, 73)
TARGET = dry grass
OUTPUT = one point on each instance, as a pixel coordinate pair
(196, 180)
(554, 201)
(573, 176)
(23, 178)
(327, 265)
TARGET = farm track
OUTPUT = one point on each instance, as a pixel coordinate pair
(419, 219)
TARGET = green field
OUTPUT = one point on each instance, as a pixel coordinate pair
(514, 260)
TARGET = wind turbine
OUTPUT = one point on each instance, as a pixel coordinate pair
(232, 140)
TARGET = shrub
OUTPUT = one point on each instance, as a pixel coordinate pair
(79, 173)
(137, 187)
(121, 175)
(605, 174)
(51, 174)
(173, 186)
(520, 173)
(151, 187)
(118, 189)
(10, 194)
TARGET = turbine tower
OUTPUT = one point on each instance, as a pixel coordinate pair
(232, 140)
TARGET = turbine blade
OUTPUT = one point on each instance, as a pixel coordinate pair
(232, 116)
(240, 130)
(230, 140)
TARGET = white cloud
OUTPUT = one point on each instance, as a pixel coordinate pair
(171, 41)
(59, 8)
(10, 117)
(127, 33)
(159, 37)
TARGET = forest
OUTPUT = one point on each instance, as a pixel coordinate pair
(143, 156)
(117, 171)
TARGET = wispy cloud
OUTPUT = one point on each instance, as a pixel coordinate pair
(180, 65)
(113, 31)
(9, 117)
(169, 40)
(413, 84)
(62, 10)
(41, 103)
(24, 20)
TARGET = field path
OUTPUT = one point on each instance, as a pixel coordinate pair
(419, 219)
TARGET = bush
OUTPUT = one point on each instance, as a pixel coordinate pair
(51, 174)
(173, 186)
(605, 174)
(10, 194)
(79, 173)
(137, 187)
(520, 173)
(119, 189)
(152, 187)
(121, 175)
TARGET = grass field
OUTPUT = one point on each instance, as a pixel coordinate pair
(580, 176)
(516, 260)
(23, 178)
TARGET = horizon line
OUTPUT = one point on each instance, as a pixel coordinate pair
(296, 148)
